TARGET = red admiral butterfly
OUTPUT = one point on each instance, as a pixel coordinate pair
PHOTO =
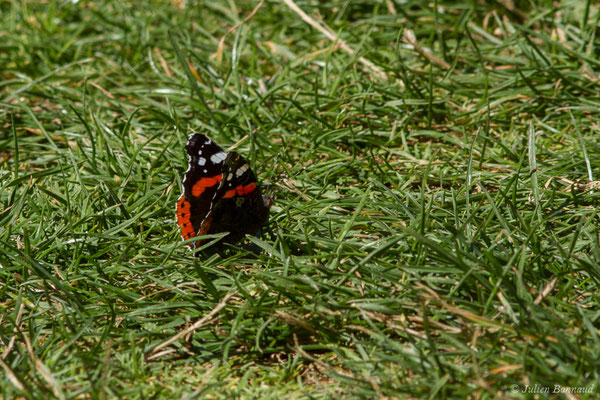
(220, 194)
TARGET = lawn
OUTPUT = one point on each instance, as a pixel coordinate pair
(436, 176)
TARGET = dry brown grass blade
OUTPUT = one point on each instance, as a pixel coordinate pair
(219, 53)
(546, 291)
(11, 342)
(196, 325)
(325, 30)
(43, 370)
(409, 37)
(11, 376)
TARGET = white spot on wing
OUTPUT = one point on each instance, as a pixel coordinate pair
(241, 170)
(218, 157)
(201, 161)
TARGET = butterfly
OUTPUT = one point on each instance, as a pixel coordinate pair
(220, 194)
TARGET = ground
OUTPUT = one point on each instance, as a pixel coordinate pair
(435, 226)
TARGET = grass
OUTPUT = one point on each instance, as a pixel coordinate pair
(435, 231)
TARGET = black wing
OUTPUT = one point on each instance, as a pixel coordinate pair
(200, 183)
(239, 207)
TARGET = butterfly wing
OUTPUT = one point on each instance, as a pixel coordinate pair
(238, 206)
(200, 184)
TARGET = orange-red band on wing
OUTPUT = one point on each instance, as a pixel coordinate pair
(183, 218)
(249, 188)
(204, 183)
(240, 190)
(183, 210)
